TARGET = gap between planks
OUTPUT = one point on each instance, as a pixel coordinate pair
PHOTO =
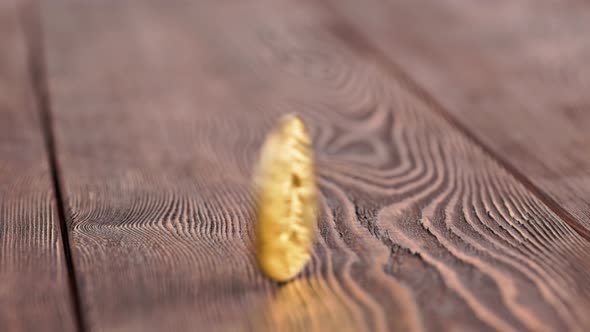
(351, 36)
(30, 18)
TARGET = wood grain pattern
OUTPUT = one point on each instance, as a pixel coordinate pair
(34, 291)
(160, 110)
(514, 72)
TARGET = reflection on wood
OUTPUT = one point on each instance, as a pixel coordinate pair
(307, 304)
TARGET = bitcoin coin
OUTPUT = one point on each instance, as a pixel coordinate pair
(287, 204)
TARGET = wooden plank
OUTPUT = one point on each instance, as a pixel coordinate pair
(514, 72)
(160, 111)
(34, 289)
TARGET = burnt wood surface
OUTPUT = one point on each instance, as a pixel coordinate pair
(453, 157)
(159, 110)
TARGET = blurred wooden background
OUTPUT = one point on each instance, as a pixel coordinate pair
(453, 142)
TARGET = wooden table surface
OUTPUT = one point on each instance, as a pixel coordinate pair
(453, 147)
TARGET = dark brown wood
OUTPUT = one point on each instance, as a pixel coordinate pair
(160, 109)
(515, 73)
(34, 289)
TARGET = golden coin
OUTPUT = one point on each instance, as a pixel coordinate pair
(287, 201)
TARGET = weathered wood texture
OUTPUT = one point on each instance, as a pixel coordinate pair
(160, 109)
(34, 291)
(515, 73)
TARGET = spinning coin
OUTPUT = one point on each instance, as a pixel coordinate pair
(287, 205)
